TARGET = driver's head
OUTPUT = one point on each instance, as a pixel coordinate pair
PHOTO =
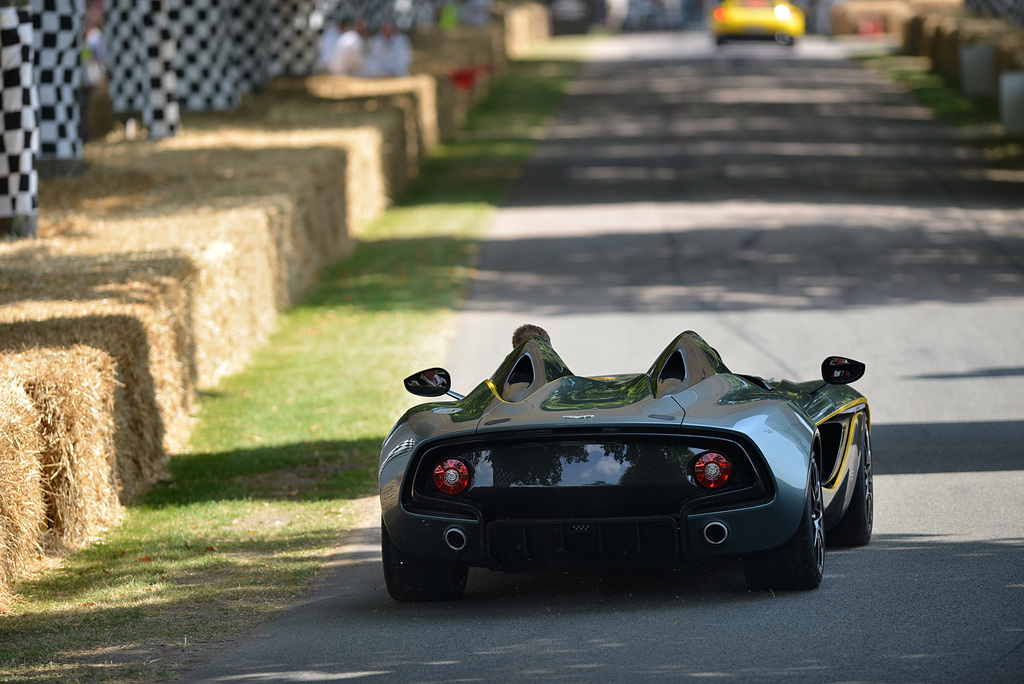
(528, 330)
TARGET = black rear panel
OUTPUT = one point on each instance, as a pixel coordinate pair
(523, 476)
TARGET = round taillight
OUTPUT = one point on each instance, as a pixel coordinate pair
(712, 469)
(719, 14)
(451, 476)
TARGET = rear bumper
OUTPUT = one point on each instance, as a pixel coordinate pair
(651, 541)
(757, 29)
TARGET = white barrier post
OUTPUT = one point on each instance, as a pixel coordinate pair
(1011, 101)
(978, 70)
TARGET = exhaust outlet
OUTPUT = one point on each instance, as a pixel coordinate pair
(455, 538)
(715, 533)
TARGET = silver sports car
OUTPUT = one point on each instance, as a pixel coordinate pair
(539, 468)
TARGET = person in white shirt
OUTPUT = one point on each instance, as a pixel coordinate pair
(328, 41)
(389, 52)
(349, 54)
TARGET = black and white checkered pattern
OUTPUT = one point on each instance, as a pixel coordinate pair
(205, 64)
(250, 30)
(203, 54)
(141, 56)
(57, 41)
(161, 111)
(295, 40)
(19, 142)
(126, 54)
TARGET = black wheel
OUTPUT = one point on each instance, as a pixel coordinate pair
(800, 562)
(854, 529)
(411, 579)
(783, 38)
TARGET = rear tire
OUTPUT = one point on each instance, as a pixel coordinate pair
(411, 579)
(800, 562)
(854, 528)
(784, 39)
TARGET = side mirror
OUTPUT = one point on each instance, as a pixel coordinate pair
(433, 382)
(839, 370)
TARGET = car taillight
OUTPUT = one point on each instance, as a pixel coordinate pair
(451, 476)
(719, 14)
(712, 469)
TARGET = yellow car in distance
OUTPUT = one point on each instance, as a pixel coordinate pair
(776, 20)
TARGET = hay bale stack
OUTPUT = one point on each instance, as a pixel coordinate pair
(941, 28)
(461, 60)
(73, 391)
(348, 186)
(955, 31)
(856, 17)
(251, 217)
(378, 133)
(136, 307)
(22, 513)
(403, 110)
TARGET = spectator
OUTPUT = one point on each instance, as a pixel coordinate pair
(94, 63)
(389, 52)
(328, 41)
(448, 17)
(349, 54)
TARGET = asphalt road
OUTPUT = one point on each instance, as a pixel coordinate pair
(787, 205)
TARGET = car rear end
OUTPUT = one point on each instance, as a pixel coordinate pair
(757, 19)
(527, 500)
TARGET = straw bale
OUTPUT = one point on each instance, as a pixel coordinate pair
(73, 390)
(420, 88)
(402, 109)
(320, 166)
(525, 24)
(848, 17)
(143, 420)
(940, 28)
(199, 172)
(22, 513)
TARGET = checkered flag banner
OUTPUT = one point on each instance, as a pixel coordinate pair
(206, 67)
(206, 54)
(160, 112)
(251, 31)
(142, 49)
(57, 28)
(19, 184)
(126, 50)
(295, 37)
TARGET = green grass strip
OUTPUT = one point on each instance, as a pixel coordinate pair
(279, 451)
